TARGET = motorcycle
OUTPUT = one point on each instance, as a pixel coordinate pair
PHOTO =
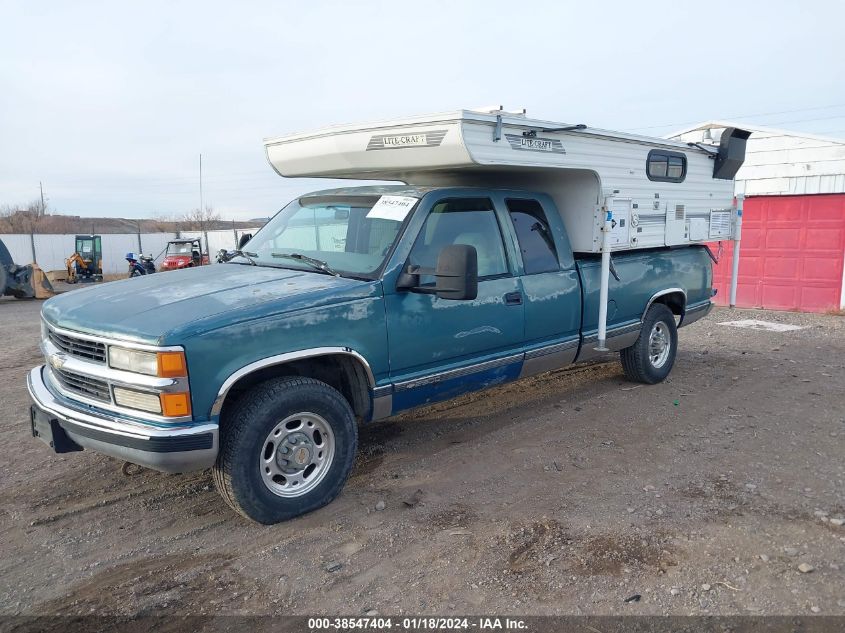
(142, 265)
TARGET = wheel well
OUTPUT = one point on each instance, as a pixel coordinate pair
(340, 371)
(675, 301)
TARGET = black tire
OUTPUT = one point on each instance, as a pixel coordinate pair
(637, 360)
(244, 435)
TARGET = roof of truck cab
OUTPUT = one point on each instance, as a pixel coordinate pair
(373, 190)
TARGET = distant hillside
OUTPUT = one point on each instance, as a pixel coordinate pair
(83, 225)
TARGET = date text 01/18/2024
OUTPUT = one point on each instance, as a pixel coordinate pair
(417, 623)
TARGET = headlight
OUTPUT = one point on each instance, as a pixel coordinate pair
(163, 364)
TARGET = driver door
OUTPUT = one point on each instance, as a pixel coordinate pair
(440, 348)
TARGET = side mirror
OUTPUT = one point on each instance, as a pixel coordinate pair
(457, 272)
(246, 237)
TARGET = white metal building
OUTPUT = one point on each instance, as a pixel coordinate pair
(793, 233)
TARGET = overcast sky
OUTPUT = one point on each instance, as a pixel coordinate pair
(109, 104)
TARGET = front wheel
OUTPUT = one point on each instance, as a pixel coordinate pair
(651, 358)
(286, 448)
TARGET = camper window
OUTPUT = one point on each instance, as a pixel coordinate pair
(535, 238)
(664, 166)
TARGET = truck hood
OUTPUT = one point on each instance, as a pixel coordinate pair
(159, 308)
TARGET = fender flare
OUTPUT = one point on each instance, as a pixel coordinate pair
(280, 359)
(663, 293)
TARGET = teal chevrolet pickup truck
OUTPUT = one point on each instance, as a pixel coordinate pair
(350, 305)
(515, 246)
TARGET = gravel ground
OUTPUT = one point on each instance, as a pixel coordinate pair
(562, 494)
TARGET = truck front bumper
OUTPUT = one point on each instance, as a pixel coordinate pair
(65, 428)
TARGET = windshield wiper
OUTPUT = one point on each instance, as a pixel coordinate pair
(316, 263)
(246, 255)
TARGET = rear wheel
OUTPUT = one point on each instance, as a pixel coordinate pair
(286, 448)
(651, 358)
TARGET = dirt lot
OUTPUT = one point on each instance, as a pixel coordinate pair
(565, 494)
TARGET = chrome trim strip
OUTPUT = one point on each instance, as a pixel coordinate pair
(560, 356)
(617, 338)
(551, 349)
(280, 359)
(456, 373)
(661, 293)
(625, 329)
(380, 392)
(113, 341)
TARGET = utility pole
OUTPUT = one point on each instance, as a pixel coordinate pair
(202, 221)
(43, 206)
(201, 207)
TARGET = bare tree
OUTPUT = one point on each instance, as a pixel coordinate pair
(25, 218)
(159, 223)
(199, 219)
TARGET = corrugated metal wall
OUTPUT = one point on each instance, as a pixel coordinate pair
(779, 162)
(51, 250)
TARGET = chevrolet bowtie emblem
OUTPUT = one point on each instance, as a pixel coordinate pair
(57, 360)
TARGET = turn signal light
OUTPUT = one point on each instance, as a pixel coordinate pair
(176, 404)
(172, 365)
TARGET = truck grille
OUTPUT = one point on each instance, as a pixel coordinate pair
(79, 347)
(83, 385)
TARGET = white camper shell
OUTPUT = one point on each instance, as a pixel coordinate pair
(660, 192)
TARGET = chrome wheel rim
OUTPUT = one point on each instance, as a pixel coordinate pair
(297, 454)
(659, 345)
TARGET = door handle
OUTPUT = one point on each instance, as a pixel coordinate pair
(513, 299)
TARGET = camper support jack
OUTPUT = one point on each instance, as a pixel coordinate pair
(605, 274)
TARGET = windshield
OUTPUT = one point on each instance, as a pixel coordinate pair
(352, 235)
(181, 249)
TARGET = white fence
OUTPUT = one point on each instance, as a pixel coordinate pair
(50, 251)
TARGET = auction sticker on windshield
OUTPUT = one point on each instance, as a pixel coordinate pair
(392, 208)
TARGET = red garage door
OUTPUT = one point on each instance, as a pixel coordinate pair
(791, 255)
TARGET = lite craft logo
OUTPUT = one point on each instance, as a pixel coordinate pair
(535, 144)
(429, 138)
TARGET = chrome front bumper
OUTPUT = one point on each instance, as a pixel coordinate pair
(175, 449)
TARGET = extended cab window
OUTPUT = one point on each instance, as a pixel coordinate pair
(664, 166)
(469, 221)
(536, 243)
